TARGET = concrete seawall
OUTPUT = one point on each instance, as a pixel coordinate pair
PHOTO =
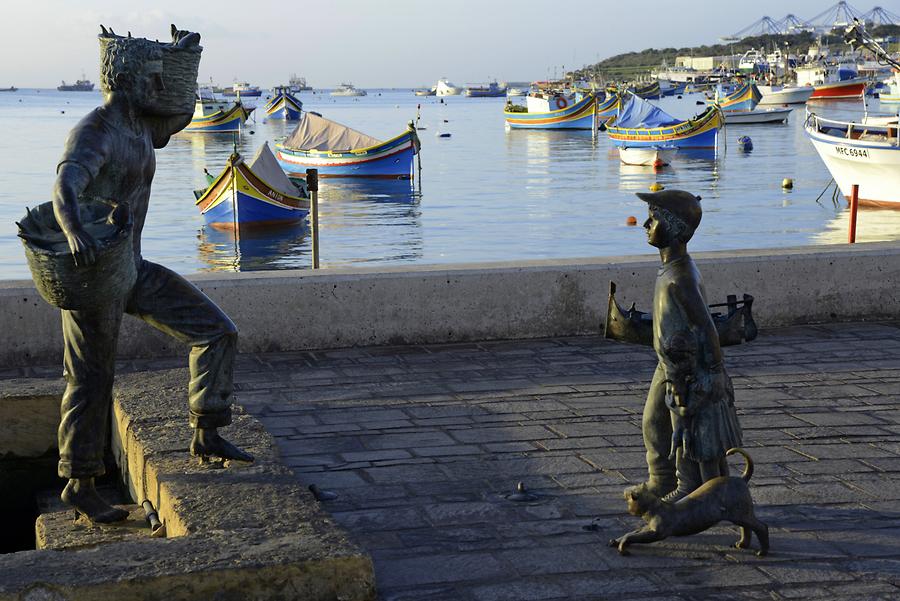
(294, 310)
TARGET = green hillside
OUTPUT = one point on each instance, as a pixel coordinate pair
(632, 64)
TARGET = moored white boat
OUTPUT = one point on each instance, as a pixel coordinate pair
(779, 115)
(647, 156)
(785, 95)
(445, 88)
(347, 89)
(865, 154)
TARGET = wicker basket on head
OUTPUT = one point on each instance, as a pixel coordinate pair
(68, 286)
(180, 68)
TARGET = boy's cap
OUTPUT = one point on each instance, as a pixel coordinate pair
(682, 204)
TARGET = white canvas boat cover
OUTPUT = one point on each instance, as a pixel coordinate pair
(318, 133)
(267, 169)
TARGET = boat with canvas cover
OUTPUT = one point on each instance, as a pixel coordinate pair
(641, 123)
(284, 105)
(254, 194)
(339, 151)
(541, 114)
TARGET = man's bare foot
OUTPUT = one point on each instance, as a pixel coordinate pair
(83, 496)
(207, 443)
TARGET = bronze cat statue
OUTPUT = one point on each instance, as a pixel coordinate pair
(717, 499)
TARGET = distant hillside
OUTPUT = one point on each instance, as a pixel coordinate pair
(632, 64)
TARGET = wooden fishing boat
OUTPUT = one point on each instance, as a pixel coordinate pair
(640, 123)
(339, 151)
(865, 153)
(284, 105)
(672, 90)
(566, 115)
(254, 194)
(650, 90)
(745, 98)
(213, 116)
(647, 156)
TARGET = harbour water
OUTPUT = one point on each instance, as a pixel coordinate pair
(486, 194)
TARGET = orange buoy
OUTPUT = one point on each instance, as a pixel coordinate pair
(632, 220)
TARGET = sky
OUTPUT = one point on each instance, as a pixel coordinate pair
(374, 43)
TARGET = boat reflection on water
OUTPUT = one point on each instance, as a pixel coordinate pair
(278, 247)
(545, 143)
(699, 157)
(540, 151)
(368, 190)
(638, 178)
(690, 168)
(872, 225)
(369, 221)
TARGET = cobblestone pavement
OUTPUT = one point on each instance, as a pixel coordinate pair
(423, 444)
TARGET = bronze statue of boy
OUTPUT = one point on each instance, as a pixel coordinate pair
(689, 419)
(110, 155)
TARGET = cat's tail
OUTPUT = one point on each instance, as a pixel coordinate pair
(748, 468)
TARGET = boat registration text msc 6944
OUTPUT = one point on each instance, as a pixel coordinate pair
(848, 151)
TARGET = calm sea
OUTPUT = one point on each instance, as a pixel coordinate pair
(487, 194)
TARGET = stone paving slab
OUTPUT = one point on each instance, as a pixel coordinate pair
(423, 443)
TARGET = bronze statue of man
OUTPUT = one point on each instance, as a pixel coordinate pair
(109, 155)
(689, 419)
